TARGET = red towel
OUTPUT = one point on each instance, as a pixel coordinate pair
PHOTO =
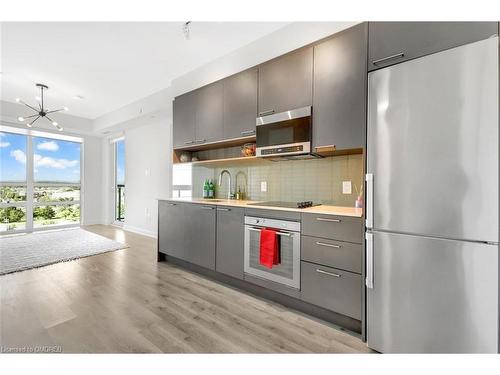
(269, 248)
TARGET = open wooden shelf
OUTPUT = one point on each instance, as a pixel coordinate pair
(253, 160)
(244, 160)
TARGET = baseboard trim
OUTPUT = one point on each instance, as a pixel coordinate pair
(343, 322)
(137, 230)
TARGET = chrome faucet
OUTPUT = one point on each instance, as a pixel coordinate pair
(229, 194)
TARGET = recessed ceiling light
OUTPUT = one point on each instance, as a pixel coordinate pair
(79, 97)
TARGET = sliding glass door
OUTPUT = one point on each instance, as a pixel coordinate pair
(40, 181)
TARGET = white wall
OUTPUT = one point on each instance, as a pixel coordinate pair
(148, 160)
(92, 181)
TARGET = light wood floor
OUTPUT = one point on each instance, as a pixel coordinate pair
(124, 301)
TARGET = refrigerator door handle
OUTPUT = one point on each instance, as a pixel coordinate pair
(369, 260)
(369, 200)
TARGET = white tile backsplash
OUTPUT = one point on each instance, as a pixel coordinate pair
(319, 180)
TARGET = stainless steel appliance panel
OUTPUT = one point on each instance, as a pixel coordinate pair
(432, 295)
(433, 144)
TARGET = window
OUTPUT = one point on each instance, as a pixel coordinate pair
(182, 181)
(13, 182)
(39, 180)
(56, 176)
(120, 180)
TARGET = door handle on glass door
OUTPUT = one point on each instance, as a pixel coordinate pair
(369, 260)
(369, 200)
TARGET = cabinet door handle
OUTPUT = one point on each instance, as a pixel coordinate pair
(330, 220)
(206, 208)
(247, 132)
(265, 113)
(328, 245)
(328, 273)
(189, 142)
(224, 209)
(172, 204)
(201, 141)
(388, 58)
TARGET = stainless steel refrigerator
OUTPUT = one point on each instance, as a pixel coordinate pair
(432, 203)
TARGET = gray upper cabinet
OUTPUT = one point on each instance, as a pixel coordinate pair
(393, 42)
(208, 110)
(240, 104)
(199, 244)
(184, 120)
(339, 105)
(230, 241)
(285, 83)
(171, 227)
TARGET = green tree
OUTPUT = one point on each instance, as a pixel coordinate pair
(11, 215)
(46, 212)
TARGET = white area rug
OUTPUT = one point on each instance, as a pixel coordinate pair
(18, 253)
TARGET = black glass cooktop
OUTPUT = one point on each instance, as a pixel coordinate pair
(304, 204)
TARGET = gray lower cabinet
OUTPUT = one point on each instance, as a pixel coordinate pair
(340, 81)
(338, 254)
(230, 241)
(209, 107)
(392, 42)
(171, 228)
(285, 83)
(332, 289)
(240, 104)
(199, 243)
(184, 120)
(341, 228)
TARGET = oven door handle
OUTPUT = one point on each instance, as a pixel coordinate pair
(286, 234)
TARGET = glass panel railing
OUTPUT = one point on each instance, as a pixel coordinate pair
(120, 202)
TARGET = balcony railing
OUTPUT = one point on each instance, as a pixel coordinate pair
(120, 202)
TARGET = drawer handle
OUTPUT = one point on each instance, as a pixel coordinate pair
(224, 209)
(248, 132)
(265, 113)
(201, 141)
(392, 57)
(206, 208)
(330, 220)
(189, 142)
(328, 245)
(328, 273)
(172, 204)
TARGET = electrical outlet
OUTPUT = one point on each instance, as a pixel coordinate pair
(346, 187)
(147, 172)
(263, 186)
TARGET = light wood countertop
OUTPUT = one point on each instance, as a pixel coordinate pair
(322, 209)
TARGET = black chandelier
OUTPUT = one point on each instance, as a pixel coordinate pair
(41, 111)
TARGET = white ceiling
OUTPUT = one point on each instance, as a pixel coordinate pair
(110, 64)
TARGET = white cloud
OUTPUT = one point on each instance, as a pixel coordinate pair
(19, 155)
(46, 161)
(4, 144)
(48, 146)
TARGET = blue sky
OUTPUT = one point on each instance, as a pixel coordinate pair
(120, 162)
(54, 160)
